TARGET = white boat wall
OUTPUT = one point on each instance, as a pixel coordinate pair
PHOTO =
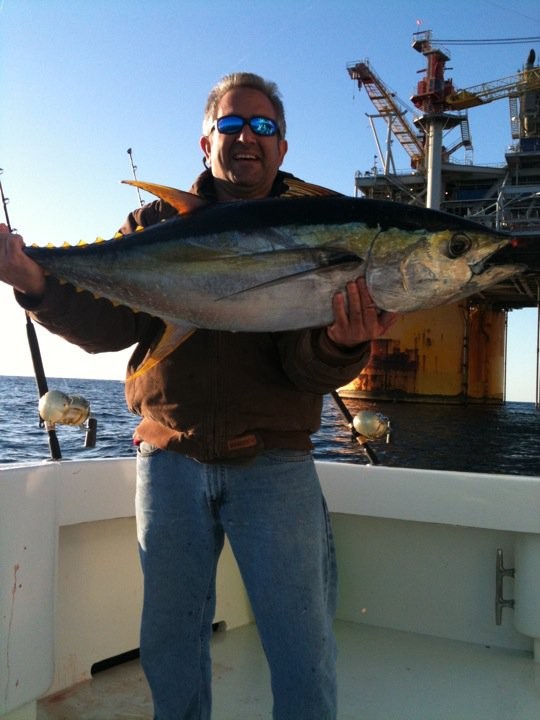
(417, 556)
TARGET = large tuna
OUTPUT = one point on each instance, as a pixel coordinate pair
(274, 264)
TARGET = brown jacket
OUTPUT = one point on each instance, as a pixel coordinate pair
(219, 395)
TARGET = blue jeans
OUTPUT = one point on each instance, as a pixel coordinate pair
(275, 517)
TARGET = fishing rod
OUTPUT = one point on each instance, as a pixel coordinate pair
(35, 353)
(54, 407)
(365, 425)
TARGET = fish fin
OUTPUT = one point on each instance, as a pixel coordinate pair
(345, 261)
(297, 188)
(173, 336)
(184, 202)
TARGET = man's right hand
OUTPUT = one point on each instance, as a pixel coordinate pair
(16, 268)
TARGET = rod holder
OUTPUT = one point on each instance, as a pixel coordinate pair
(500, 573)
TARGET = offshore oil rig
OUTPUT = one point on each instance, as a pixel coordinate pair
(456, 353)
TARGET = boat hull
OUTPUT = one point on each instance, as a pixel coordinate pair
(416, 554)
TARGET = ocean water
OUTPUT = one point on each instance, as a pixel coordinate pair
(502, 439)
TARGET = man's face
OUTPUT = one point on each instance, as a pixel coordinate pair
(244, 165)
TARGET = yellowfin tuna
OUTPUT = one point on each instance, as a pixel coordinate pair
(275, 264)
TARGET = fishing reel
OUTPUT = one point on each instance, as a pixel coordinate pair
(368, 425)
(372, 425)
(57, 407)
(365, 426)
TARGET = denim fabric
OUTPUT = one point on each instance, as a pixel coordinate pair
(275, 517)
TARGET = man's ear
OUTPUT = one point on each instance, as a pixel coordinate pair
(206, 146)
(283, 147)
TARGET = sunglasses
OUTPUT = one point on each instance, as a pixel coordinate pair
(233, 124)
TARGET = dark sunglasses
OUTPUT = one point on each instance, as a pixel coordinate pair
(233, 124)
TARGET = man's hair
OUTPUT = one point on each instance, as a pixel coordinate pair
(243, 80)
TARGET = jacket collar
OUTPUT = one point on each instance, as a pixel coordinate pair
(205, 187)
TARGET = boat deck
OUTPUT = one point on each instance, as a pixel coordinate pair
(383, 674)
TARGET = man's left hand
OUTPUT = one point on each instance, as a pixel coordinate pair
(358, 319)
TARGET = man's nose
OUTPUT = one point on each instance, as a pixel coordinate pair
(246, 134)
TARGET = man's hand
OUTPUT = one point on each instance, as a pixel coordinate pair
(16, 268)
(361, 320)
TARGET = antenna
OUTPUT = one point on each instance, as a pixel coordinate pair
(134, 171)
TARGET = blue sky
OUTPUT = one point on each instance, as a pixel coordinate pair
(84, 80)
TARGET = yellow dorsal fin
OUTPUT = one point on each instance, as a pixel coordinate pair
(82, 243)
(184, 202)
(298, 188)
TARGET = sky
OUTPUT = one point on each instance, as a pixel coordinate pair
(84, 80)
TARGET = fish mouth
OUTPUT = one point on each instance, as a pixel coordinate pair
(482, 267)
(486, 274)
(505, 260)
(516, 251)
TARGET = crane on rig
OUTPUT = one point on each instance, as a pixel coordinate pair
(443, 107)
(513, 87)
(435, 94)
(392, 110)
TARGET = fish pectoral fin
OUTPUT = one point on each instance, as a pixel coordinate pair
(347, 264)
(173, 336)
(184, 202)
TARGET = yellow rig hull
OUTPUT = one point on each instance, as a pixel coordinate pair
(453, 354)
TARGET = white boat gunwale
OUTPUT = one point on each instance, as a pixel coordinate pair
(376, 509)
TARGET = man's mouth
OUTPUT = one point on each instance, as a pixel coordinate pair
(241, 153)
(245, 157)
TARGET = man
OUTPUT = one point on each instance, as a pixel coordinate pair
(223, 444)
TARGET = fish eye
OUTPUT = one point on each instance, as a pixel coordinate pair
(458, 245)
